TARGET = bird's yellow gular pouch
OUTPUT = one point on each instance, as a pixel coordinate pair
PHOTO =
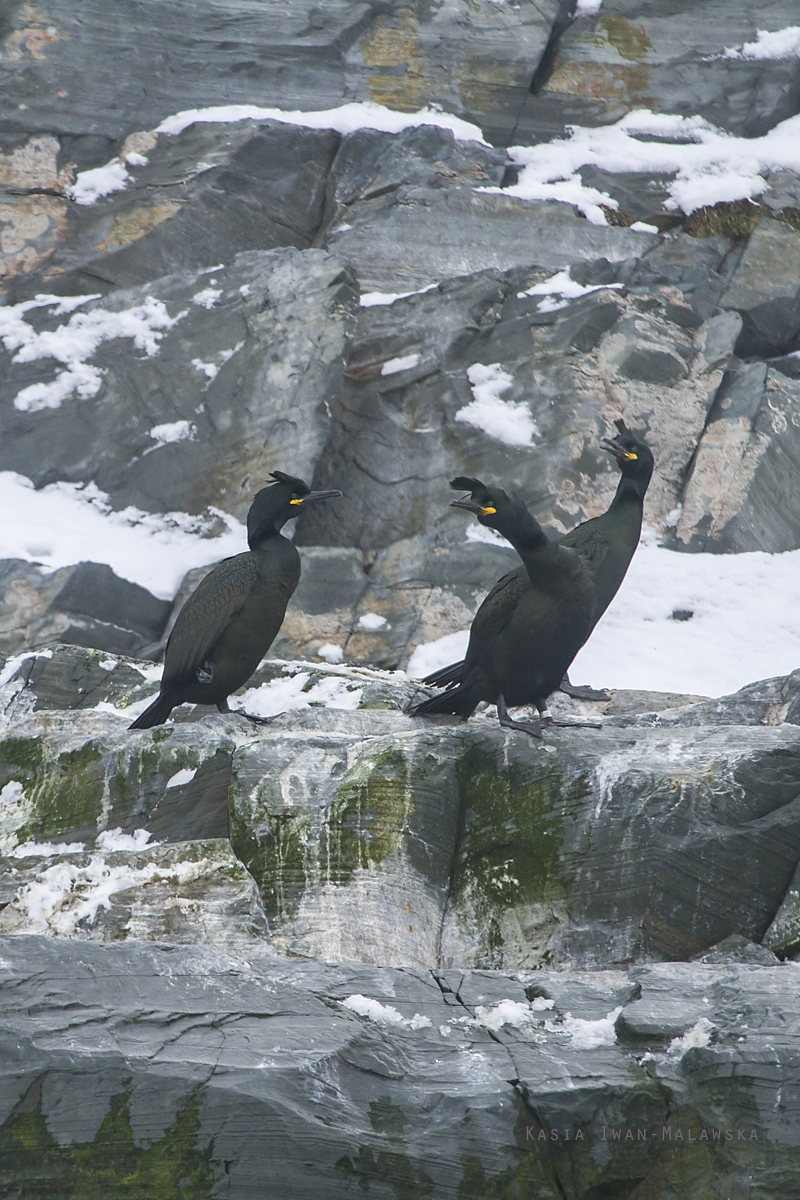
(300, 501)
(487, 512)
(629, 457)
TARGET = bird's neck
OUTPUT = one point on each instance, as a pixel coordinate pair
(528, 539)
(630, 492)
(261, 539)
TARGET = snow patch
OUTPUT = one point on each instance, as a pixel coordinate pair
(66, 523)
(586, 1035)
(331, 653)
(783, 43)
(369, 299)
(44, 849)
(709, 165)
(383, 1014)
(89, 186)
(347, 118)
(182, 777)
(696, 1037)
(431, 656)
(75, 342)
(505, 1012)
(14, 663)
(399, 364)
(173, 431)
(287, 695)
(114, 839)
(563, 286)
(505, 420)
(371, 621)
(485, 533)
(207, 298)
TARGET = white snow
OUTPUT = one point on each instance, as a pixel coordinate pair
(108, 664)
(13, 664)
(75, 342)
(209, 369)
(371, 621)
(208, 297)
(347, 118)
(286, 695)
(331, 653)
(66, 894)
(430, 656)
(746, 624)
(383, 1014)
(114, 839)
(101, 181)
(783, 43)
(507, 421)
(136, 160)
(485, 533)
(587, 8)
(182, 777)
(699, 1035)
(369, 299)
(709, 164)
(173, 431)
(505, 1012)
(65, 523)
(563, 286)
(45, 849)
(586, 1035)
(404, 363)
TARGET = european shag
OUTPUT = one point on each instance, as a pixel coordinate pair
(530, 626)
(232, 617)
(606, 543)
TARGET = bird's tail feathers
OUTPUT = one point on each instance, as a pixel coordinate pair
(156, 714)
(446, 675)
(459, 700)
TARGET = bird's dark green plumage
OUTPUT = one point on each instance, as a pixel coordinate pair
(532, 623)
(606, 543)
(232, 617)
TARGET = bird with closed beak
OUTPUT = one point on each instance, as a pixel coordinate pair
(233, 616)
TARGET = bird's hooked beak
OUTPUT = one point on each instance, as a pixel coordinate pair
(303, 500)
(620, 453)
(472, 506)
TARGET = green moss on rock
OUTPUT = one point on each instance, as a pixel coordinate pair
(33, 1164)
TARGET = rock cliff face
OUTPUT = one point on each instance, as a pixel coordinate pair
(352, 950)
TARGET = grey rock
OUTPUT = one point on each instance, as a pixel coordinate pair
(637, 54)
(767, 702)
(265, 365)
(744, 461)
(473, 62)
(220, 1070)
(86, 604)
(764, 291)
(417, 236)
(199, 198)
(738, 949)
(191, 892)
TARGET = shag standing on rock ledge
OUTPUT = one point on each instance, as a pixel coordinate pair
(233, 616)
(530, 626)
(606, 544)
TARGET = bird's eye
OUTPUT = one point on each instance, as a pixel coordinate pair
(300, 501)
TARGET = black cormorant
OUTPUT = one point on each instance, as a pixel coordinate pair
(606, 543)
(232, 617)
(530, 626)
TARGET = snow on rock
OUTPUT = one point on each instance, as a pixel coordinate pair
(431, 656)
(505, 1012)
(182, 777)
(208, 297)
(485, 533)
(173, 431)
(783, 43)
(116, 839)
(12, 665)
(404, 363)
(287, 695)
(562, 286)
(383, 1014)
(68, 893)
(75, 342)
(67, 523)
(45, 849)
(372, 621)
(331, 653)
(586, 1035)
(709, 165)
(370, 299)
(89, 186)
(347, 118)
(696, 1037)
(507, 421)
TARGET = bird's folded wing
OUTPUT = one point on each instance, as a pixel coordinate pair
(205, 615)
(495, 613)
(590, 541)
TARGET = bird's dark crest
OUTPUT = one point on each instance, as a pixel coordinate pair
(462, 484)
(297, 485)
(621, 426)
